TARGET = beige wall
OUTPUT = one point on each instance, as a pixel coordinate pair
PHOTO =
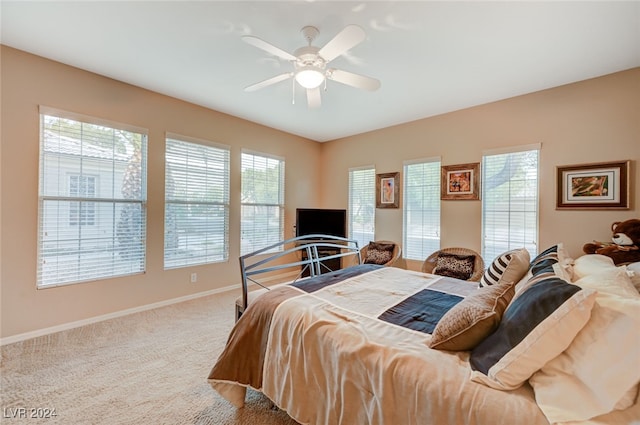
(29, 81)
(591, 121)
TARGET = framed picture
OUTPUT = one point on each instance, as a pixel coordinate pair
(388, 190)
(460, 181)
(602, 185)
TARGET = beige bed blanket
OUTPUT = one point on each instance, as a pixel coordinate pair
(327, 360)
(242, 361)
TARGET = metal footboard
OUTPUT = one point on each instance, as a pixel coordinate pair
(308, 254)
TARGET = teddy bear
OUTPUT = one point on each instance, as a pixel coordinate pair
(625, 245)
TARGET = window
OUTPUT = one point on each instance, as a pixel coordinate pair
(362, 204)
(262, 205)
(510, 201)
(196, 214)
(92, 199)
(82, 213)
(421, 222)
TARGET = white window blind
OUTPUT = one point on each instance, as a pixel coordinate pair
(262, 205)
(92, 199)
(510, 201)
(196, 217)
(421, 221)
(362, 204)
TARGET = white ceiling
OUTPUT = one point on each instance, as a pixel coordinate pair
(431, 57)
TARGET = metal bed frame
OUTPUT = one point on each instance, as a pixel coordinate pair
(308, 253)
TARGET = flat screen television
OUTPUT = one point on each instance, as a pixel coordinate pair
(310, 221)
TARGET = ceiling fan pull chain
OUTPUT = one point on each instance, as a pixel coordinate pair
(293, 91)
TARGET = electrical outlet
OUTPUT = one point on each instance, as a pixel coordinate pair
(194, 277)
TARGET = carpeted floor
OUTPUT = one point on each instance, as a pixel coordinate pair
(145, 368)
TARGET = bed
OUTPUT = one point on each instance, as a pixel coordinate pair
(381, 345)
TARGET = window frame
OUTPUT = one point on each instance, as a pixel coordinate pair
(407, 251)
(58, 264)
(489, 254)
(246, 233)
(361, 194)
(203, 179)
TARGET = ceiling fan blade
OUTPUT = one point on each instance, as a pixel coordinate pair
(354, 80)
(350, 36)
(269, 81)
(268, 47)
(313, 98)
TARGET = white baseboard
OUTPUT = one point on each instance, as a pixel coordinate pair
(66, 326)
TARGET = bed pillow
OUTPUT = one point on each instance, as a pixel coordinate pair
(470, 321)
(379, 253)
(590, 264)
(508, 267)
(599, 372)
(615, 280)
(459, 266)
(608, 274)
(536, 327)
(634, 273)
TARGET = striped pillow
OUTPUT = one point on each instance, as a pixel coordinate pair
(543, 263)
(510, 266)
(551, 262)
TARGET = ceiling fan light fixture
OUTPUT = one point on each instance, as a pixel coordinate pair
(309, 77)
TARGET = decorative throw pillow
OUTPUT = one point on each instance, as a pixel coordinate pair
(379, 253)
(454, 265)
(508, 267)
(470, 321)
(599, 372)
(543, 262)
(523, 282)
(546, 265)
(535, 328)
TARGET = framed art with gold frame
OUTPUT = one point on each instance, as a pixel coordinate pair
(460, 182)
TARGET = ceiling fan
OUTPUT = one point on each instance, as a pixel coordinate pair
(310, 63)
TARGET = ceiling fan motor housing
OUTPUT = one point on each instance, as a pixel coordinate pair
(308, 56)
